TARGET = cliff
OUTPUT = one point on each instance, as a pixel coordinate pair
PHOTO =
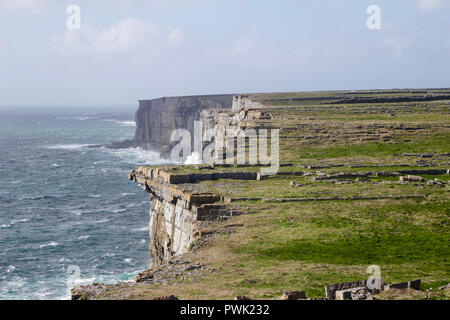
(174, 212)
(180, 207)
(156, 119)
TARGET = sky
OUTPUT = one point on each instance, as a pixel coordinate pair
(126, 51)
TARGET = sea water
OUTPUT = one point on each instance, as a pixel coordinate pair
(68, 213)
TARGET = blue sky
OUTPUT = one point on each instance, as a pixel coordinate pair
(131, 50)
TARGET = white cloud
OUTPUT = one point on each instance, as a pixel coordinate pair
(430, 5)
(22, 6)
(127, 36)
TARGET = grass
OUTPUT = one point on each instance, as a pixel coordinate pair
(439, 143)
(339, 240)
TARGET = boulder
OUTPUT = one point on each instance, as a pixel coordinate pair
(446, 287)
(293, 295)
(361, 294)
(331, 289)
(411, 178)
(343, 294)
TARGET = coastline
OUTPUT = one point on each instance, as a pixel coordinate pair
(226, 232)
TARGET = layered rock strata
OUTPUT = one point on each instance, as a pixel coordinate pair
(176, 211)
(157, 119)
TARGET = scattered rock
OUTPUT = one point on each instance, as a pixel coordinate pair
(419, 155)
(344, 294)
(292, 295)
(88, 291)
(435, 182)
(411, 178)
(446, 287)
(415, 284)
(166, 298)
(249, 281)
(361, 294)
(241, 298)
(171, 271)
(331, 289)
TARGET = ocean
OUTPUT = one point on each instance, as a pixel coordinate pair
(68, 213)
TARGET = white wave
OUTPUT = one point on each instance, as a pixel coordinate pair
(140, 229)
(76, 118)
(126, 123)
(119, 210)
(109, 254)
(16, 284)
(50, 244)
(138, 156)
(94, 196)
(69, 146)
(194, 158)
(13, 223)
(10, 268)
(128, 260)
(83, 237)
(76, 212)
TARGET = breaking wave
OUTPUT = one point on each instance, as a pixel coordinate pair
(69, 146)
(126, 123)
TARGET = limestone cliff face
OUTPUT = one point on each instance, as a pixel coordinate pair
(175, 213)
(156, 119)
